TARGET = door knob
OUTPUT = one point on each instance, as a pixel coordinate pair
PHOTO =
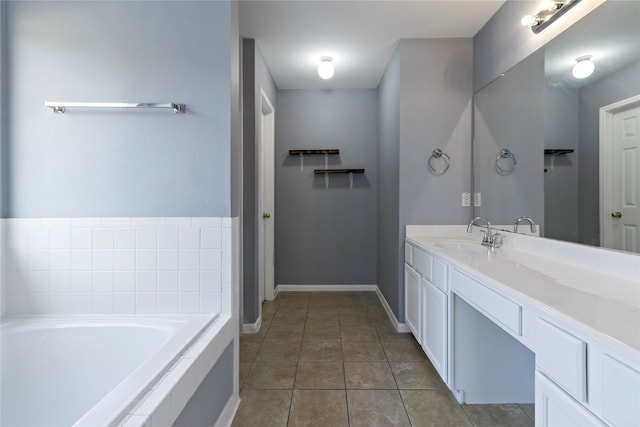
(266, 215)
(616, 214)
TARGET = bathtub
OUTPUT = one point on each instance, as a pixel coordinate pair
(91, 370)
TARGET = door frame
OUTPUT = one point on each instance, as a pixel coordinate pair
(266, 126)
(606, 163)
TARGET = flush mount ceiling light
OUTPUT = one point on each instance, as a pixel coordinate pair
(550, 10)
(325, 69)
(584, 67)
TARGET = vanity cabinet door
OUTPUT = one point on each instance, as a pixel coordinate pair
(555, 408)
(412, 301)
(434, 327)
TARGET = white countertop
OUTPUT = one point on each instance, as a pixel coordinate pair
(591, 286)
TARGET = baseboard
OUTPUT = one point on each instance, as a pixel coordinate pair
(400, 327)
(252, 328)
(325, 288)
(229, 412)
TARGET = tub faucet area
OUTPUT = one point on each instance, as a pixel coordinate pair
(489, 239)
(524, 219)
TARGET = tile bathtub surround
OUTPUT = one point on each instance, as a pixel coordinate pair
(116, 265)
(341, 363)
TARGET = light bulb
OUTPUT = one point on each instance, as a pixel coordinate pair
(584, 67)
(326, 69)
(528, 20)
(547, 5)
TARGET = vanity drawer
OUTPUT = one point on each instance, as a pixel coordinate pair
(440, 275)
(620, 391)
(501, 310)
(423, 263)
(408, 254)
(562, 357)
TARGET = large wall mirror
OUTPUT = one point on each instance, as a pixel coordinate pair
(572, 159)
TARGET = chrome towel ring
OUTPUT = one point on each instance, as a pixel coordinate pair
(510, 166)
(438, 154)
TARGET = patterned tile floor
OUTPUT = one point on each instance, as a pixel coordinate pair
(333, 359)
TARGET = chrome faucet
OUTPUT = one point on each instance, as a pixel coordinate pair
(489, 239)
(524, 219)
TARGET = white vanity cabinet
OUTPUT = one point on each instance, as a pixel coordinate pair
(426, 286)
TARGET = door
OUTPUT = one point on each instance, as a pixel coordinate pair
(619, 175)
(434, 326)
(412, 301)
(266, 234)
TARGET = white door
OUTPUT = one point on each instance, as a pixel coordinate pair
(620, 176)
(266, 200)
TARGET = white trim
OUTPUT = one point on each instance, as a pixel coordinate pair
(327, 288)
(228, 412)
(606, 162)
(252, 328)
(399, 327)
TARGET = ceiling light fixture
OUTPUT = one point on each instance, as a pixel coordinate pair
(550, 10)
(326, 69)
(584, 67)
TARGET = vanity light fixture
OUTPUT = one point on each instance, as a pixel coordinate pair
(326, 69)
(550, 10)
(584, 67)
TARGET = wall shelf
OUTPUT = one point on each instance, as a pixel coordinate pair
(335, 171)
(313, 152)
(557, 151)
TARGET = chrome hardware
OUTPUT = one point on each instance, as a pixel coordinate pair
(616, 215)
(60, 107)
(505, 153)
(523, 219)
(266, 215)
(439, 154)
(489, 239)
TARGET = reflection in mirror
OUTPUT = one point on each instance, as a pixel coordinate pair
(562, 189)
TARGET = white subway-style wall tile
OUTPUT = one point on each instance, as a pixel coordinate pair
(59, 303)
(188, 259)
(102, 303)
(86, 222)
(116, 222)
(168, 238)
(167, 259)
(146, 238)
(211, 238)
(38, 281)
(167, 281)
(124, 281)
(16, 260)
(176, 222)
(167, 302)
(146, 303)
(17, 303)
(38, 238)
(206, 222)
(125, 238)
(102, 281)
(146, 281)
(210, 302)
(60, 260)
(146, 259)
(59, 281)
(103, 238)
(102, 260)
(210, 260)
(17, 238)
(81, 238)
(146, 222)
(227, 222)
(81, 259)
(189, 238)
(210, 281)
(38, 260)
(189, 281)
(189, 302)
(16, 281)
(124, 260)
(55, 222)
(38, 302)
(80, 303)
(124, 302)
(80, 281)
(60, 238)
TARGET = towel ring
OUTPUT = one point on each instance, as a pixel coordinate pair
(438, 154)
(505, 153)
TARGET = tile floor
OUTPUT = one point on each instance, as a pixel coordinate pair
(333, 359)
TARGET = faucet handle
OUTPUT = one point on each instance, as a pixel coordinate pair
(496, 240)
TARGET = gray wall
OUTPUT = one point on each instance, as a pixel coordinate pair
(326, 236)
(561, 126)
(3, 111)
(615, 87)
(509, 114)
(119, 163)
(390, 256)
(255, 75)
(425, 103)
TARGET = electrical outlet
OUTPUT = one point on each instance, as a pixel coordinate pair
(466, 200)
(477, 201)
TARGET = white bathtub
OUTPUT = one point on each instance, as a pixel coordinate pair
(90, 370)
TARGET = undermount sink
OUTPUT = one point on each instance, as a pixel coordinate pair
(462, 245)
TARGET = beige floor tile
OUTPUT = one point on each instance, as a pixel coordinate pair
(271, 375)
(403, 351)
(321, 323)
(358, 333)
(293, 315)
(369, 375)
(249, 350)
(319, 408)
(293, 332)
(320, 375)
(321, 350)
(498, 415)
(322, 313)
(368, 408)
(416, 375)
(434, 408)
(244, 371)
(386, 332)
(279, 350)
(529, 409)
(258, 336)
(360, 351)
(263, 408)
(269, 309)
(326, 332)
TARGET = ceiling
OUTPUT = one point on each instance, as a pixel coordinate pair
(360, 35)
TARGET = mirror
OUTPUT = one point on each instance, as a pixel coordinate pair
(550, 122)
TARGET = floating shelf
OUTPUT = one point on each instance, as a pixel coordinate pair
(312, 152)
(557, 151)
(334, 171)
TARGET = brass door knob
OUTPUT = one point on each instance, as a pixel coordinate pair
(616, 214)
(266, 215)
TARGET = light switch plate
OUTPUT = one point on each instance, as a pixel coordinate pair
(477, 201)
(466, 200)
